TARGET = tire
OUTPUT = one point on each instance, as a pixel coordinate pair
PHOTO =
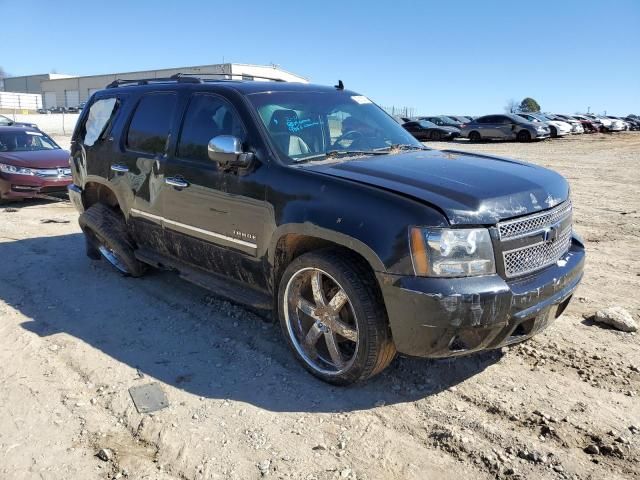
(107, 237)
(475, 137)
(524, 136)
(364, 345)
(436, 136)
(554, 132)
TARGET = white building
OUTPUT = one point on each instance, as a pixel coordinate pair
(69, 91)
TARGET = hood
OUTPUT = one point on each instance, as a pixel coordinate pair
(468, 188)
(37, 159)
(449, 129)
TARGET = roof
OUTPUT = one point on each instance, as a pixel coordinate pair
(14, 128)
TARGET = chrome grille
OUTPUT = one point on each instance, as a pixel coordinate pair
(53, 172)
(534, 257)
(521, 227)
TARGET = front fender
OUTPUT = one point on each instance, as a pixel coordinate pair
(370, 220)
(311, 230)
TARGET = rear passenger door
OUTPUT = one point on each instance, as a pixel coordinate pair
(138, 171)
(212, 217)
(490, 125)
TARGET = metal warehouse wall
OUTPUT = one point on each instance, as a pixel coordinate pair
(29, 84)
(69, 92)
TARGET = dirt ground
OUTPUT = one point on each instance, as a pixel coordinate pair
(75, 336)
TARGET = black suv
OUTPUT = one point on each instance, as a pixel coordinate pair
(312, 201)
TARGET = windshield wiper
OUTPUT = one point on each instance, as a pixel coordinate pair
(341, 154)
(403, 146)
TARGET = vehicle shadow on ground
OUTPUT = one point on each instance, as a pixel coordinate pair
(178, 333)
(10, 206)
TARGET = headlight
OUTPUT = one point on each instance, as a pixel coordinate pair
(441, 252)
(541, 129)
(15, 170)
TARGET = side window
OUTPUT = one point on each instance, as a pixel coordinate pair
(151, 123)
(100, 116)
(207, 116)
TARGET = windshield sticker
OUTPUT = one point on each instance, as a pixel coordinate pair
(37, 134)
(361, 99)
(295, 125)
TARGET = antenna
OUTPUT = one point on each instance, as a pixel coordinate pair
(340, 85)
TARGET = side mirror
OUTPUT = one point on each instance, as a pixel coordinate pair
(226, 150)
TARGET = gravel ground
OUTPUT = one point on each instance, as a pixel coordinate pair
(75, 336)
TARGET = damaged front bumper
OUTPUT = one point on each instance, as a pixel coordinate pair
(444, 317)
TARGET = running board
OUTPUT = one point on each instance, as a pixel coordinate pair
(223, 286)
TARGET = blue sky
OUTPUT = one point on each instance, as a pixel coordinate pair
(457, 57)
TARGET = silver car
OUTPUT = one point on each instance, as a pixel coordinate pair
(504, 127)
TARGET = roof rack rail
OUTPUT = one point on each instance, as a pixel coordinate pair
(185, 78)
(228, 76)
(118, 82)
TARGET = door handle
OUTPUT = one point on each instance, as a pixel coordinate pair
(176, 182)
(119, 168)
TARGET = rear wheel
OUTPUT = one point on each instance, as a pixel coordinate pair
(107, 237)
(524, 136)
(475, 137)
(333, 318)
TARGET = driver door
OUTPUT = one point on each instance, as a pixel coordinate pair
(213, 219)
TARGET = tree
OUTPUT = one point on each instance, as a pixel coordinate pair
(529, 105)
(511, 106)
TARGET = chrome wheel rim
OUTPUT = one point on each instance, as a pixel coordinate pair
(111, 257)
(320, 321)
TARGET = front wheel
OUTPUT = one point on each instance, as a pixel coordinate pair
(524, 136)
(332, 315)
(554, 132)
(475, 137)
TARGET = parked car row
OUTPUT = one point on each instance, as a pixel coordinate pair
(75, 109)
(522, 126)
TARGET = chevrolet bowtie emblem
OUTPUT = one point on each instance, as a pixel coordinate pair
(551, 233)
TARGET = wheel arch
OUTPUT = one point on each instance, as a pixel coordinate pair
(292, 240)
(97, 191)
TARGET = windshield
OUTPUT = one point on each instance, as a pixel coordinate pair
(312, 125)
(449, 119)
(25, 141)
(427, 124)
(540, 117)
(5, 120)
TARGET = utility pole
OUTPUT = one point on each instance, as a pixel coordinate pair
(588, 109)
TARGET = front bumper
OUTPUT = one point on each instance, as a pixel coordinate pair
(31, 186)
(75, 197)
(444, 317)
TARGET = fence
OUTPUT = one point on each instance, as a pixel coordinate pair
(400, 111)
(53, 123)
(12, 101)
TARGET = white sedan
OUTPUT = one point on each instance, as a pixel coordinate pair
(558, 128)
(610, 124)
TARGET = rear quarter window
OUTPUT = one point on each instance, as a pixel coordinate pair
(100, 117)
(151, 123)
